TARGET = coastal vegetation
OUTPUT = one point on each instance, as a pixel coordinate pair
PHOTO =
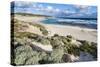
(41, 28)
(25, 52)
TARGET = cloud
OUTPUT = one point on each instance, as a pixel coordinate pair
(57, 10)
(35, 6)
(23, 4)
(49, 7)
(82, 9)
(39, 7)
(81, 6)
(67, 11)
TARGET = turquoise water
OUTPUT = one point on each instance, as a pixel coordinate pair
(74, 22)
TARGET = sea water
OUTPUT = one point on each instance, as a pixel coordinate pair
(91, 23)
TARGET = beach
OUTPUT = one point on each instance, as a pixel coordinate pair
(79, 33)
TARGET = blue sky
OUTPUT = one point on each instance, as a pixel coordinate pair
(61, 10)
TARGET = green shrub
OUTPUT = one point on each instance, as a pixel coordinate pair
(45, 41)
(33, 59)
(24, 54)
(90, 48)
(56, 35)
(19, 25)
(69, 40)
(74, 50)
(25, 34)
(44, 31)
(56, 55)
(41, 27)
(69, 36)
(56, 43)
(65, 41)
(53, 57)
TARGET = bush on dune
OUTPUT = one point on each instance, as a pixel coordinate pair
(56, 55)
(53, 57)
(41, 27)
(45, 41)
(89, 48)
(25, 55)
(60, 45)
(74, 50)
(25, 34)
(56, 43)
(65, 42)
(19, 25)
(44, 31)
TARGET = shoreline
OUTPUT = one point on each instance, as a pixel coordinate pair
(71, 26)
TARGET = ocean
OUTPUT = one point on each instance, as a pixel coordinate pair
(73, 22)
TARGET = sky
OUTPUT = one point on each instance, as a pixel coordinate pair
(57, 10)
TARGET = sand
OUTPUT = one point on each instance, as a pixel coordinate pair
(76, 32)
(34, 19)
